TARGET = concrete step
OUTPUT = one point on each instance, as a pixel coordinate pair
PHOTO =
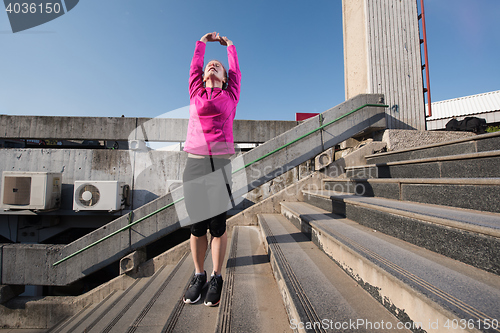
(107, 319)
(176, 316)
(470, 193)
(251, 301)
(89, 315)
(22, 330)
(479, 143)
(473, 165)
(141, 307)
(426, 287)
(150, 311)
(472, 237)
(318, 295)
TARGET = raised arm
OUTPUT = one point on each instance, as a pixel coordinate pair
(196, 69)
(234, 74)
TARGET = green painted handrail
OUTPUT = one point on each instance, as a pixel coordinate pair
(307, 134)
(128, 226)
(241, 168)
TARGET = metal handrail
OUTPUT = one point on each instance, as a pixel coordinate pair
(241, 168)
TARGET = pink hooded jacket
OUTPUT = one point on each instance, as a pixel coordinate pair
(212, 110)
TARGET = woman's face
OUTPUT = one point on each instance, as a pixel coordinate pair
(215, 68)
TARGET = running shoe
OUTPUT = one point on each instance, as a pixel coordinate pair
(193, 293)
(214, 291)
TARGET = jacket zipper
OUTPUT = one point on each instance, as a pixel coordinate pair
(211, 92)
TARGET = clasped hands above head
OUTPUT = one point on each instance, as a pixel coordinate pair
(215, 37)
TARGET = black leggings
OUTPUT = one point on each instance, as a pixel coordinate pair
(207, 193)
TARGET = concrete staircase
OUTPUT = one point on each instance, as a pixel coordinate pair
(250, 302)
(375, 256)
(362, 252)
(421, 234)
(448, 204)
(134, 308)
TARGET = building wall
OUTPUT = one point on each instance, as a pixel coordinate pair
(355, 56)
(148, 173)
(382, 55)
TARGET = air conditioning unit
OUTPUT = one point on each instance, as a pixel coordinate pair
(324, 159)
(100, 195)
(31, 190)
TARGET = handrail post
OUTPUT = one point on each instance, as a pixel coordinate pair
(130, 216)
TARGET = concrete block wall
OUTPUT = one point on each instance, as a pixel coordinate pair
(149, 173)
(124, 129)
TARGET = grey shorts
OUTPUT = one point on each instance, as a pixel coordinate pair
(207, 194)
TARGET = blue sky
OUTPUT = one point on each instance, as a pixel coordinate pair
(130, 57)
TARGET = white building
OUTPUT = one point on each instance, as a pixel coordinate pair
(486, 106)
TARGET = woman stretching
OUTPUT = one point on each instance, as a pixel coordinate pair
(214, 94)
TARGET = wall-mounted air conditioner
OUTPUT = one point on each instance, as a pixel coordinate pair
(31, 190)
(324, 159)
(100, 195)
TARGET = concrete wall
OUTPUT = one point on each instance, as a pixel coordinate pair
(119, 129)
(382, 55)
(150, 174)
